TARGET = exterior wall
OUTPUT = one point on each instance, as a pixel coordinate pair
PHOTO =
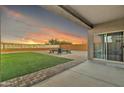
(113, 26)
(78, 47)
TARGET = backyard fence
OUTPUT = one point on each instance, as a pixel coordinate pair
(20, 47)
(77, 47)
(15, 46)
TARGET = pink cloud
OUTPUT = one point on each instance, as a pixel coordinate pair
(20, 16)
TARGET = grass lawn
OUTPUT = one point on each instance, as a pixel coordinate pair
(17, 64)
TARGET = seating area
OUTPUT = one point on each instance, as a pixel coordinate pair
(59, 51)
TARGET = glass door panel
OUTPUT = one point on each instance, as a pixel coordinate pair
(99, 46)
(114, 46)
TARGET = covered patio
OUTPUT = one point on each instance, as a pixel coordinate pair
(102, 64)
(106, 70)
(105, 26)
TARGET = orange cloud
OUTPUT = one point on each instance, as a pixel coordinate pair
(47, 33)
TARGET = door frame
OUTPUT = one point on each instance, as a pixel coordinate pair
(123, 46)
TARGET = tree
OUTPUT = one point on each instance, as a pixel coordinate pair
(57, 42)
(53, 42)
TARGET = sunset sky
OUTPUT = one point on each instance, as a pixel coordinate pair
(34, 24)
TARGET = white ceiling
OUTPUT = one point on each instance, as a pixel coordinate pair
(97, 14)
(94, 14)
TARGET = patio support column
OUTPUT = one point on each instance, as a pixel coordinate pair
(90, 45)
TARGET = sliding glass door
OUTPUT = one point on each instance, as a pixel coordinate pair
(109, 46)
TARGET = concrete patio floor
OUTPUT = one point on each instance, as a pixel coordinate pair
(76, 55)
(87, 74)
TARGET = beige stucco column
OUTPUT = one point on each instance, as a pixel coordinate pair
(90, 45)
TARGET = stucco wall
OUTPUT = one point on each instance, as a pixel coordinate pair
(113, 26)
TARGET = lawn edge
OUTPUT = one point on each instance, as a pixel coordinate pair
(35, 77)
(41, 54)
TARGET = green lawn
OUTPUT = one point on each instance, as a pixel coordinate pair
(17, 64)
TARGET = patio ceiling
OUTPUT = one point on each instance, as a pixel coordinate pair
(89, 15)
